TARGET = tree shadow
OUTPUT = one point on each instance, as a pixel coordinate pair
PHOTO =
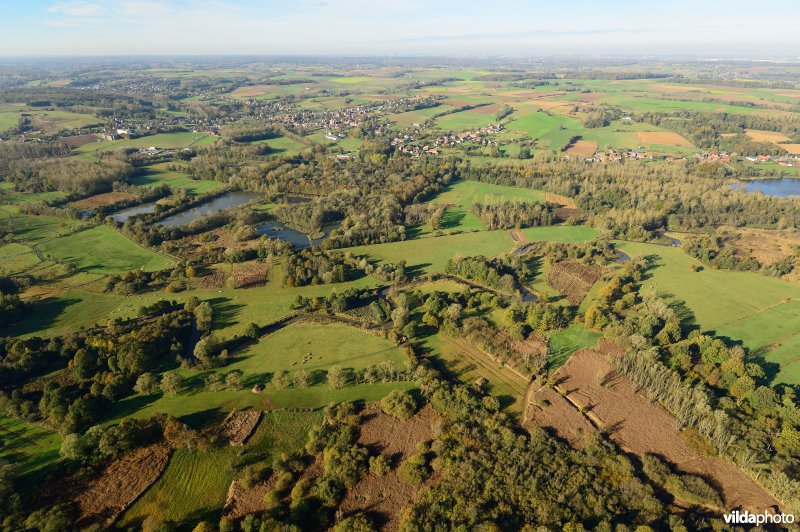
(225, 311)
(42, 315)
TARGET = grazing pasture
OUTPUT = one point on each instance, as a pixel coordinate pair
(160, 174)
(29, 446)
(760, 311)
(102, 249)
(468, 193)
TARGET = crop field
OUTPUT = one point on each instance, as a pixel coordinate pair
(745, 306)
(419, 116)
(158, 174)
(102, 249)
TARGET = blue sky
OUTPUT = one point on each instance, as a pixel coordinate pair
(426, 27)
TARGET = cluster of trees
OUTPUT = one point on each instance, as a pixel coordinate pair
(75, 177)
(308, 266)
(98, 366)
(489, 272)
(522, 318)
(598, 251)
(716, 251)
(249, 132)
(510, 214)
(137, 281)
(11, 306)
(492, 476)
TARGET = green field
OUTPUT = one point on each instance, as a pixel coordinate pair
(159, 174)
(313, 348)
(565, 342)
(166, 141)
(572, 234)
(283, 146)
(15, 258)
(744, 306)
(28, 446)
(505, 385)
(468, 193)
(102, 249)
(193, 487)
(430, 255)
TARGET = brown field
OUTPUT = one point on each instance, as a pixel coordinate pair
(573, 279)
(548, 410)
(662, 137)
(485, 109)
(766, 245)
(385, 497)
(766, 136)
(558, 199)
(250, 91)
(242, 501)
(794, 149)
(102, 200)
(582, 148)
(637, 425)
(79, 140)
(238, 426)
(121, 483)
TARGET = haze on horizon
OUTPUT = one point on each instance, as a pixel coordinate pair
(730, 28)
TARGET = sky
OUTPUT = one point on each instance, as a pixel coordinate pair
(703, 28)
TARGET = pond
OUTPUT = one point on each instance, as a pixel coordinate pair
(276, 229)
(220, 203)
(125, 214)
(774, 187)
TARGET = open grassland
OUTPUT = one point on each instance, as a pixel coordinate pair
(419, 116)
(430, 255)
(15, 258)
(762, 312)
(468, 193)
(560, 233)
(313, 348)
(32, 229)
(10, 196)
(567, 341)
(102, 249)
(29, 446)
(233, 308)
(283, 146)
(159, 174)
(193, 487)
(166, 141)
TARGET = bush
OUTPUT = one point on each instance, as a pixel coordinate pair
(415, 470)
(399, 404)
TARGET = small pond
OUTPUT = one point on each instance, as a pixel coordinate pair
(276, 229)
(774, 187)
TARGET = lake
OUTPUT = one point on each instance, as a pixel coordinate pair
(125, 214)
(220, 203)
(775, 187)
(276, 229)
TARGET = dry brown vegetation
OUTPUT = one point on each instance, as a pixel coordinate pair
(611, 402)
(385, 497)
(121, 483)
(582, 148)
(573, 279)
(238, 426)
(766, 136)
(78, 140)
(102, 200)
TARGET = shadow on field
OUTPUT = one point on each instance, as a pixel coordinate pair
(225, 312)
(415, 270)
(41, 315)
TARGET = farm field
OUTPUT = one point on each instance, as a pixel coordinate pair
(744, 306)
(158, 174)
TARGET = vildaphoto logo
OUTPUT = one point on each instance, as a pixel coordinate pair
(746, 518)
